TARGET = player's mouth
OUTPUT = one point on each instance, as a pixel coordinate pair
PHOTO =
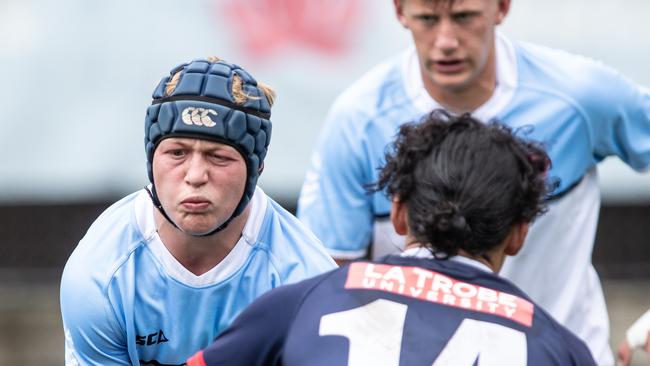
(448, 66)
(195, 204)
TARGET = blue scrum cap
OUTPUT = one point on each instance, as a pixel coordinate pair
(202, 106)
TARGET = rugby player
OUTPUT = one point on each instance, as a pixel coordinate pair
(580, 109)
(202, 236)
(463, 194)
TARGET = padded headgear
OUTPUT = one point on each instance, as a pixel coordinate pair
(202, 106)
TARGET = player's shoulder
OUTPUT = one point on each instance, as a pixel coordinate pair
(380, 88)
(107, 244)
(548, 340)
(271, 315)
(280, 228)
(553, 339)
(284, 302)
(289, 243)
(295, 293)
(576, 78)
(550, 60)
(88, 282)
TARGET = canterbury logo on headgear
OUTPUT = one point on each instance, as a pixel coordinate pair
(198, 116)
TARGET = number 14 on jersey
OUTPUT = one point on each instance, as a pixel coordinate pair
(375, 330)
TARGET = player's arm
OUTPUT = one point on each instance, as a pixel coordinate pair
(333, 201)
(92, 333)
(637, 336)
(619, 114)
(257, 335)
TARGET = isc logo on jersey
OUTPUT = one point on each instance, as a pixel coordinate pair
(198, 116)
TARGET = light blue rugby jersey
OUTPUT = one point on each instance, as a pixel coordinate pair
(126, 300)
(581, 110)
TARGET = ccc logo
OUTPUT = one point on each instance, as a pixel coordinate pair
(198, 116)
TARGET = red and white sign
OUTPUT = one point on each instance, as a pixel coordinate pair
(265, 26)
(431, 286)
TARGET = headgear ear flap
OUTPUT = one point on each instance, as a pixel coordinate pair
(202, 106)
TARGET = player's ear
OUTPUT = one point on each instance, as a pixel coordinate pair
(398, 5)
(399, 216)
(504, 8)
(515, 240)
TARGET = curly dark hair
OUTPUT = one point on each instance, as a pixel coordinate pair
(464, 183)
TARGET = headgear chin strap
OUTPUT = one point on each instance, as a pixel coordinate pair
(202, 106)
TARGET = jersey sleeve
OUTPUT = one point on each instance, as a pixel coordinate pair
(257, 335)
(619, 112)
(93, 336)
(333, 201)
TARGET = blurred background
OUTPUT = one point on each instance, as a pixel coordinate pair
(77, 77)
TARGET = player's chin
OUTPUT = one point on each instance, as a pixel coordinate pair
(453, 83)
(197, 225)
(202, 231)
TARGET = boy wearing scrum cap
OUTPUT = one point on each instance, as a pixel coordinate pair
(197, 245)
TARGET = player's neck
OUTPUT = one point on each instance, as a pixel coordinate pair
(200, 254)
(466, 98)
(493, 260)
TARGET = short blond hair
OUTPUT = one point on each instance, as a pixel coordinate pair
(237, 90)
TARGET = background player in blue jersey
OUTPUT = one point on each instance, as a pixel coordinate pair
(163, 271)
(463, 194)
(581, 110)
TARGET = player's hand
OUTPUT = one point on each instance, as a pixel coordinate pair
(624, 352)
(638, 336)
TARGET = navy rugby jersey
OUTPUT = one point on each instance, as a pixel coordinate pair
(398, 311)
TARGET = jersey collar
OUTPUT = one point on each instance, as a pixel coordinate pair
(424, 253)
(144, 213)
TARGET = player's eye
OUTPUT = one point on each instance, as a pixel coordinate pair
(177, 153)
(464, 17)
(221, 158)
(427, 19)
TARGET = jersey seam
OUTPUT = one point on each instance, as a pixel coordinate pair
(584, 119)
(575, 105)
(120, 264)
(273, 262)
(110, 282)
